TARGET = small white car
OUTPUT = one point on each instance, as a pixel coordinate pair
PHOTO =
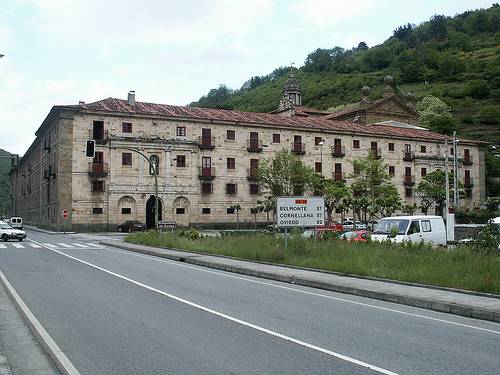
(9, 233)
(16, 222)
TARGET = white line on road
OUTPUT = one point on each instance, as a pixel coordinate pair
(49, 345)
(65, 245)
(34, 245)
(80, 245)
(18, 245)
(2, 246)
(268, 283)
(47, 244)
(233, 319)
(94, 245)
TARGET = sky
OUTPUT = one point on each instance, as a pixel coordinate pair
(173, 52)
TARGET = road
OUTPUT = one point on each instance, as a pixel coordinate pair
(115, 312)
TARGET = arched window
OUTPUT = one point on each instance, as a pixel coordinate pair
(154, 166)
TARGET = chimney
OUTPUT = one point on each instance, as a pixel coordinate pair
(131, 98)
(81, 102)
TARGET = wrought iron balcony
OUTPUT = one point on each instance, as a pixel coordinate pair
(409, 180)
(206, 143)
(100, 139)
(408, 156)
(254, 145)
(468, 183)
(206, 173)
(376, 152)
(252, 174)
(98, 170)
(298, 148)
(338, 151)
(467, 160)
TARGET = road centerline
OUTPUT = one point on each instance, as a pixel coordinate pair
(229, 317)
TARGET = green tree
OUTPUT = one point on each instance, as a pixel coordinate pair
(334, 193)
(478, 89)
(237, 208)
(387, 201)
(267, 205)
(285, 175)
(431, 190)
(436, 115)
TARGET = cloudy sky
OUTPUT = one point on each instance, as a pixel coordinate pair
(63, 51)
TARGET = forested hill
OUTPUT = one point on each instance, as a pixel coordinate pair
(454, 58)
(4, 179)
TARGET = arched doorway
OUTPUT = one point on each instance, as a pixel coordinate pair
(181, 211)
(150, 212)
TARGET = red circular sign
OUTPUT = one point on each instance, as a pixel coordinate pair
(65, 213)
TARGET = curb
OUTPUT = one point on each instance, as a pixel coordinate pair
(55, 353)
(36, 229)
(428, 304)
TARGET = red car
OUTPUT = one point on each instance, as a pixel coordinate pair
(356, 236)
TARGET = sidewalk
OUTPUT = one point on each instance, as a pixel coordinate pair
(453, 302)
(46, 231)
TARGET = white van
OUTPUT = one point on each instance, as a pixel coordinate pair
(418, 228)
(16, 222)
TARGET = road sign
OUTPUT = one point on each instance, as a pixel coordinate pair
(65, 213)
(300, 212)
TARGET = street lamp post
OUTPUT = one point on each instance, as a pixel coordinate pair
(321, 144)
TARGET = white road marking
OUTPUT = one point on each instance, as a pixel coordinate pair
(233, 319)
(34, 245)
(80, 245)
(268, 283)
(2, 246)
(65, 245)
(94, 245)
(47, 244)
(18, 245)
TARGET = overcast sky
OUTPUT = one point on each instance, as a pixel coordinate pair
(173, 52)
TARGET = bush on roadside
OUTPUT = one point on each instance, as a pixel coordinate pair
(487, 240)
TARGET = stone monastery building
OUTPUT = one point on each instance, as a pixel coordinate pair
(208, 158)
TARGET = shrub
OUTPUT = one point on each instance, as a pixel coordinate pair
(487, 240)
(478, 89)
(489, 115)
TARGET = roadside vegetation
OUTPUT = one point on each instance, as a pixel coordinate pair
(461, 268)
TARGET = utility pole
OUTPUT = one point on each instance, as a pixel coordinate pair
(447, 183)
(455, 172)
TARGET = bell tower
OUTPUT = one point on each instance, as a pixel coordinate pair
(291, 90)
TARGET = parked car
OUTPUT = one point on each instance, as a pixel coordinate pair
(9, 233)
(360, 225)
(348, 225)
(131, 226)
(419, 228)
(320, 231)
(355, 236)
(16, 222)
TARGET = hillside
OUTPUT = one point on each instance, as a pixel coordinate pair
(4, 179)
(454, 58)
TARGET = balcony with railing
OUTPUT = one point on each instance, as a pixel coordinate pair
(206, 143)
(468, 183)
(206, 173)
(100, 139)
(298, 148)
(98, 169)
(254, 145)
(252, 174)
(409, 156)
(376, 152)
(338, 176)
(467, 160)
(338, 151)
(409, 180)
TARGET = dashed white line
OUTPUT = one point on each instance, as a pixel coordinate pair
(94, 245)
(2, 246)
(65, 245)
(48, 245)
(80, 245)
(233, 319)
(18, 245)
(34, 245)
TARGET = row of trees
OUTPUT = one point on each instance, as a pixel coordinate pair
(370, 195)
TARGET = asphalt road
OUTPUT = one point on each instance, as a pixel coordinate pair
(114, 312)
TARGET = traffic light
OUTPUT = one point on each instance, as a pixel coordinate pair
(90, 149)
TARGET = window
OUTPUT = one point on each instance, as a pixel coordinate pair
(181, 131)
(205, 210)
(97, 186)
(206, 188)
(452, 151)
(317, 141)
(407, 171)
(426, 226)
(392, 170)
(391, 146)
(355, 143)
(408, 192)
(231, 163)
(276, 138)
(423, 172)
(180, 161)
(231, 189)
(230, 135)
(230, 210)
(154, 167)
(180, 211)
(127, 158)
(97, 211)
(126, 210)
(318, 167)
(423, 149)
(414, 227)
(254, 210)
(254, 189)
(98, 130)
(126, 127)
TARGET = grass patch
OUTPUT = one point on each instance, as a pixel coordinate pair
(459, 268)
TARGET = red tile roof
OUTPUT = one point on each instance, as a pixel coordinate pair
(113, 105)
